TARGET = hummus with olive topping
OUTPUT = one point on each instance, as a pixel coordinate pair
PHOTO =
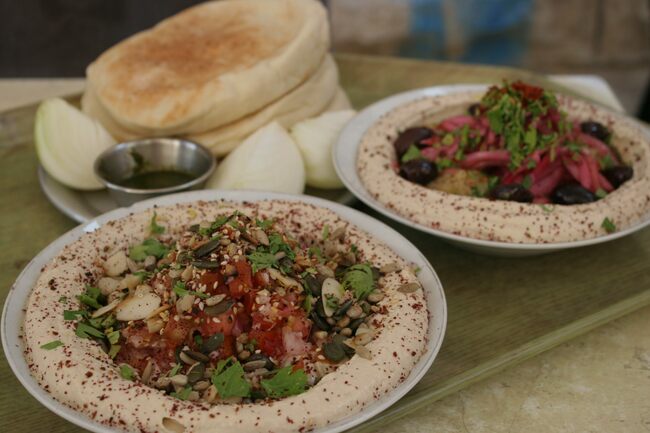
(497, 220)
(79, 371)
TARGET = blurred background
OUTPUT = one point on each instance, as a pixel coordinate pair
(610, 38)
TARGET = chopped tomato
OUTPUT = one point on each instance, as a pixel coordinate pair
(224, 323)
(269, 342)
(177, 331)
(214, 283)
(243, 282)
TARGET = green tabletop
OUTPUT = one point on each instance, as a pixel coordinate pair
(501, 311)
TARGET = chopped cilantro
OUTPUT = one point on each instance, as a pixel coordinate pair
(606, 162)
(277, 244)
(74, 314)
(448, 139)
(180, 290)
(52, 345)
(154, 228)
(115, 348)
(264, 224)
(331, 301)
(84, 330)
(608, 225)
(85, 299)
(307, 303)
(443, 163)
(601, 193)
(174, 371)
(530, 139)
(527, 182)
(113, 337)
(492, 182)
(464, 136)
(198, 340)
(326, 231)
(126, 371)
(315, 251)
(228, 378)
(149, 247)
(359, 278)
(547, 208)
(285, 383)
(183, 394)
(411, 153)
(261, 260)
(63, 299)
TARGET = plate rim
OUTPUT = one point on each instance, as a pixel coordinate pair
(27, 277)
(349, 141)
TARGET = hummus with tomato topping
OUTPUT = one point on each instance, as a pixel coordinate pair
(466, 211)
(271, 316)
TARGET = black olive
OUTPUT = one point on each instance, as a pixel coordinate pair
(420, 171)
(572, 193)
(596, 129)
(408, 137)
(511, 192)
(474, 109)
(618, 175)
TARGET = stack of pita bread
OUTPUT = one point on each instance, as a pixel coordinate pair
(217, 72)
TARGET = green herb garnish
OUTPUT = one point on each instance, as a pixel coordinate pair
(608, 225)
(84, 330)
(180, 289)
(52, 345)
(228, 378)
(174, 371)
(360, 279)
(113, 337)
(264, 224)
(114, 350)
(285, 383)
(149, 247)
(277, 244)
(261, 260)
(126, 372)
(326, 231)
(183, 394)
(154, 228)
(411, 153)
(601, 193)
(74, 314)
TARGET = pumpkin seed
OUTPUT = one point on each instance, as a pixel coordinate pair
(254, 365)
(207, 247)
(318, 321)
(261, 237)
(334, 351)
(195, 373)
(220, 308)
(106, 308)
(343, 308)
(178, 380)
(146, 373)
(363, 339)
(214, 300)
(150, 263)
(196, 356)
(205, 264)
(408, 287)
(375, 296)
(212, 343)
(338, 233)
(389, 268)
(354, 312)
(201, 385)
(172, 425)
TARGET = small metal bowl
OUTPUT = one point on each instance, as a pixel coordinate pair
(124, 160)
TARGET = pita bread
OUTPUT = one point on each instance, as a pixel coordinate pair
(210, 64)
(310, 98)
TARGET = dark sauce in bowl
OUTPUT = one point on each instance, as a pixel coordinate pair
(157, 179)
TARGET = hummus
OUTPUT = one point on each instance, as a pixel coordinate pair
(481, 218)
(80, 374)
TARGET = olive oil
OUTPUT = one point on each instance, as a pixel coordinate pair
(157, 179)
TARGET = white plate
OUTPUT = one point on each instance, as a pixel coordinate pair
(344, 153)
(12, 315)
(82, 206)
